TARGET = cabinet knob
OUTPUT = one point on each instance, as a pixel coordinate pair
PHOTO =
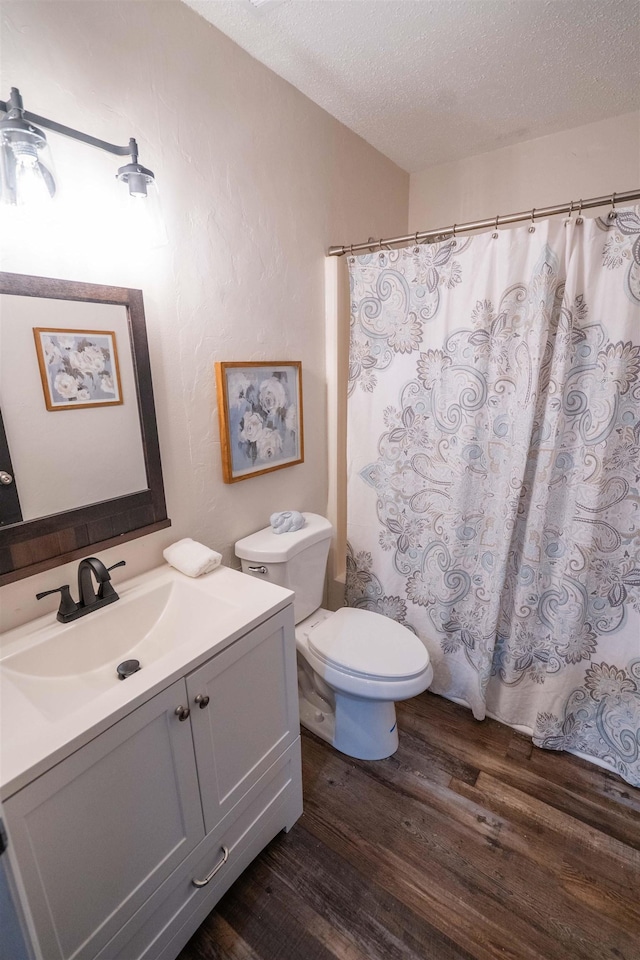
(182, 712)
(202, 700)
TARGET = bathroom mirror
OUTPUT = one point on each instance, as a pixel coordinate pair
(79, 455)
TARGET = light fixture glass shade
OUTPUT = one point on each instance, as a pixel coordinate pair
(26, 167)
(143, 215)
(142, 203)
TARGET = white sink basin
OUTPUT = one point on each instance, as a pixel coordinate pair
(145, 627)
(59, 680)
(66, 666)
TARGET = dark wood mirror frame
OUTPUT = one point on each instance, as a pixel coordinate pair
(32, 546)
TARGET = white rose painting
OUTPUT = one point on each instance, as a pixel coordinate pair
(260, 410)
(78, 368)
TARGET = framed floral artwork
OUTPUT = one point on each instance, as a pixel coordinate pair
(78, 368)
(260, 411)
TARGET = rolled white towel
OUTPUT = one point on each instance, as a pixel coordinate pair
(192, 558)
(287, 521)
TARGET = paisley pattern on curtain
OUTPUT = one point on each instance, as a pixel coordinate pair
(494, 472)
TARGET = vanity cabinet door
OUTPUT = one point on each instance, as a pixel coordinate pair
(94, 836)
(251, 716)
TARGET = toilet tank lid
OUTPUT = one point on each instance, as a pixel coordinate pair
(269, 547)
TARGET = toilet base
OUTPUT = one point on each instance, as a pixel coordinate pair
(363, 729)
(320, 722)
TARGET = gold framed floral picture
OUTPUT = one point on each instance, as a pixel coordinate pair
(260, 412)
(78, 368)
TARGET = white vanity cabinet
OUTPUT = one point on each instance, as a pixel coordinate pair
(106, 845)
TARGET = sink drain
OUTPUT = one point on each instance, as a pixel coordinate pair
(127, 667)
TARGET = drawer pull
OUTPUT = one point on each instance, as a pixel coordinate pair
(202, 700)
(182, 712)
(218, 866)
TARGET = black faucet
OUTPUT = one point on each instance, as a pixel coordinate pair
(88, 596)
(90, 599)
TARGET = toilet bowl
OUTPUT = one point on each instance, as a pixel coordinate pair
(353, 664)
(368, 662)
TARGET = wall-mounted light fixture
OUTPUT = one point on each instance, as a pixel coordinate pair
(26, 170)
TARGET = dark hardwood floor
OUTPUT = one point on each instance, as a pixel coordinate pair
(468, 843)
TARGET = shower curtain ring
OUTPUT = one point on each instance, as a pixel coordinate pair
(579, 218)
(417, 242)
(495, 228)
(613, 214)
(532, 228)
(455, 227)
(568, 219)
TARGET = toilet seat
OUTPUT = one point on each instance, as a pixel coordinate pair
(368, 645)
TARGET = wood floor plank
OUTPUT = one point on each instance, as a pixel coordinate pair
(454, 909)
(589, 780)
(596, 808)
(472, 855)
(550, 835)
(277, 872)
(468, 844)
(383, 926)
(520, 747)
(269, 923)
(434, 763)
(217, 940)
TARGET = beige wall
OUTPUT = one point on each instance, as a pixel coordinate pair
(256, 183)
(587, 161)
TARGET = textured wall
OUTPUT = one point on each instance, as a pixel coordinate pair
(587, 161)
(256, 183)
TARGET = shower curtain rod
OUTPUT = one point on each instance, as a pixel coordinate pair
(421, 235)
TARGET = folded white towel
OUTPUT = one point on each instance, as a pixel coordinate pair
(286, 521)
(192, 558)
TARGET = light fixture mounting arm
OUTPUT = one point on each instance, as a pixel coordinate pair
(22, 135)
(14, 109)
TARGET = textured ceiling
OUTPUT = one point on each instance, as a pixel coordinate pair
(429, 81)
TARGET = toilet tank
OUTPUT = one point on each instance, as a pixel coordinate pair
(296, 560)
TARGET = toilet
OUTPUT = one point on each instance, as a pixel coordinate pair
(353, 665)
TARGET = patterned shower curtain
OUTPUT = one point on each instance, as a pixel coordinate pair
(494, 472)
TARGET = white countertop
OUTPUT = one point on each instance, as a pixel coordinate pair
(34, 734)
